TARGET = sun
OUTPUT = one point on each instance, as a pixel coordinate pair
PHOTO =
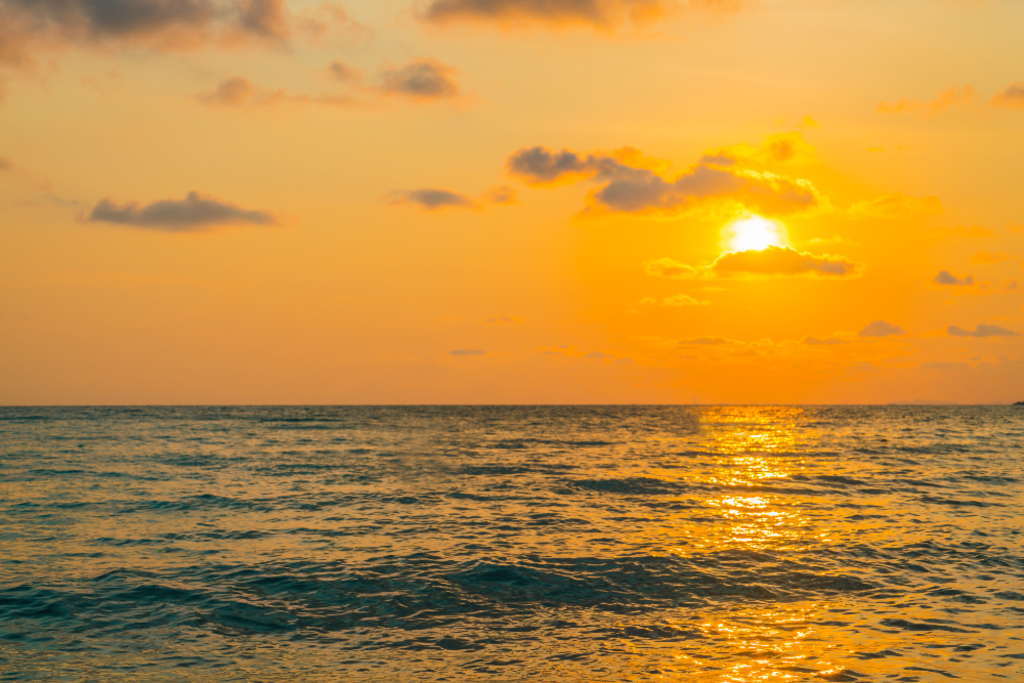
(753, 233)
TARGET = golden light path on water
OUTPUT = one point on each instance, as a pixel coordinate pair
(699, 544)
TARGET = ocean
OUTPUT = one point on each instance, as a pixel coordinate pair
(570, 544)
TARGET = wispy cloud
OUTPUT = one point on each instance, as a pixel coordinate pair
(433, 199)
(981, 331)
(941, 102)
(880, 328)
(1012, 97)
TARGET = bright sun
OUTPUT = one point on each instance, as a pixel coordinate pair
(754, 233)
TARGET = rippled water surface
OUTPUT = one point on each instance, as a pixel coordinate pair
(512, 543)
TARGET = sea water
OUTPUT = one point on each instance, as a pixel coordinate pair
(704, 544)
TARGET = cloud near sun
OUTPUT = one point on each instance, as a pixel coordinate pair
(771, 261)
(637, 184)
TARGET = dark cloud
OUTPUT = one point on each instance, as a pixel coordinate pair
(596, 13)
(264, 18)
(1012, 97)
(946, 278)
(466, 352)
(425, 79)
(195, 212)
(28, 26)
(981, 331)
(780, 261)
(631, 185)
(433, 199)
(880, 328)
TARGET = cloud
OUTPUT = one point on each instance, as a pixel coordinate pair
(964, 231)
(675, 301)
(5, 164)
(602, 14)
(238, 91)
(195, 212)
(981, 331)
(946, 278)
(666, 267)
(28, 27)
(781, 261)
(633, 183)
(503, 194)
(780, 148)
(340, 71)
(433, 199)
(831, 341)
(769, 262)
(704, 341)
(423, 79)
(943, 101)
(1012, 97)
(896, 206)
(466, 352)
(880, 328)
(984, 257)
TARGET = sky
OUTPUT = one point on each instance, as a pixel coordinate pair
(511, 201)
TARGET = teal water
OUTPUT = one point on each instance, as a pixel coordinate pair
(706, 544)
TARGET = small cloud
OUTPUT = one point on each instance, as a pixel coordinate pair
(597, 355)
(433, 199)
(424, 79)
(232, 91)
(779, 148)
(5, 164)
(1015, 227)
(503, 319)
(679, 300)
(1012, 97)
(808, 122)
(880, 328)
(704, 341)
(340, 71)
(943, 101)
(983, 257)
(238, 91)
(896, 206)
(981, 331)
(666, 267)
(946, 278)
(830, 341)
(466, 352)
(503, 194)
(195, 212)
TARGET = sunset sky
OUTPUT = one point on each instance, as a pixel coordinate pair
(511, 201)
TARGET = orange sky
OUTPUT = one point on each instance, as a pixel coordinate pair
(511, 201)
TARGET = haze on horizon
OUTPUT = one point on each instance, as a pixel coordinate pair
(511, 201)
